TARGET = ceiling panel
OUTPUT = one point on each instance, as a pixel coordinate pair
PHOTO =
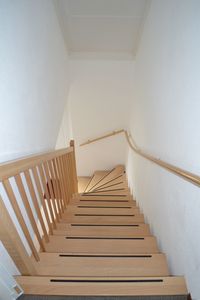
(102, 25)
(103, 34)
(106, 7)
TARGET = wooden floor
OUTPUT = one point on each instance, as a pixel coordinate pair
(102, 247)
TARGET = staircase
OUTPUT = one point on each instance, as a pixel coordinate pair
(87, 245)
(99, 246)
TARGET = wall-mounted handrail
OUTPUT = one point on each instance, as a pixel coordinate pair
(102, 137)
(191, 177)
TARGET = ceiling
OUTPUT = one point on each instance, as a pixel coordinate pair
(103, 28)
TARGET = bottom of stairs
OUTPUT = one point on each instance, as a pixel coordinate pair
(103, 288)
(36, 297)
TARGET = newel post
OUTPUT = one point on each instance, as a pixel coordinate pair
(74, 172)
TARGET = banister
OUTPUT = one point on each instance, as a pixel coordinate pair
(49, 181)
(191, 177)
(11, 168)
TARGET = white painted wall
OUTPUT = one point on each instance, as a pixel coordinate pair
(99, 97)
(34, 77)
(165, 122)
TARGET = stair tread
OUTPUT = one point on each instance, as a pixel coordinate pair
(120, 179)
(104, 219)
(61, 244)
(82, 183)
(118, 170)
(55, 264)
(90, 210)
(98, 175)
(111, 192)
(39, 285)
(141, 230)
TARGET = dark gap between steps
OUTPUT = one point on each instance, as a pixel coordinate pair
(102, 238)
(102, 215)
(108, 281)
(110, 225)
(113, 256)
(87, 206)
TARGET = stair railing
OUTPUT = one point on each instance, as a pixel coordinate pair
(191, 177)
(38, 189)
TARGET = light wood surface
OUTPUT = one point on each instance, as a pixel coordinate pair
(120, 179)
(95, 179)
(35, 203)
(103, 203)
(102, 137)
(14, 167)
(118, 170)
(82, 183)
(104, 197)
(106, 219)
(43, 286)
(29, 210)
(103, 231)
(60, 244)
(13, 244)
(52, 264)
(72, 209)
(20, 218)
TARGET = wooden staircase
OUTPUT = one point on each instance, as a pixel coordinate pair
(99, 244)
(103, 247)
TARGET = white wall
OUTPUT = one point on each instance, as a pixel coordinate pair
(33, 77)
(165, 122)
(99, 97)
(33, 81)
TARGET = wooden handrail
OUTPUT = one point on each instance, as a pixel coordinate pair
(191, 177)
(102, 137)
(11, 168)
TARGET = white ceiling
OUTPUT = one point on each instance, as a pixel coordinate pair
(102, 27)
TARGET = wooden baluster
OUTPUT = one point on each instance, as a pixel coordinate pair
(69, 174)
(60, 171)
(51, 191)
(28, 209)
(35, 203)
(58, 184)
(44, 185)
(11, 240)
(55, 188)
(65, 178)
(15, 206)
(42, 200)
(72, 144)
(67, 188)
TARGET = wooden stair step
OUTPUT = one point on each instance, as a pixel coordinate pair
(107, 231)
(107, 286)
(121, 179)
(118, 186)
(71, 209)
(55, 264)
(82, 183)
(86, 244)
(107, 197)
(104, 219)
(104, 203)
(110, 192)
(98, 175)
(118, 170)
